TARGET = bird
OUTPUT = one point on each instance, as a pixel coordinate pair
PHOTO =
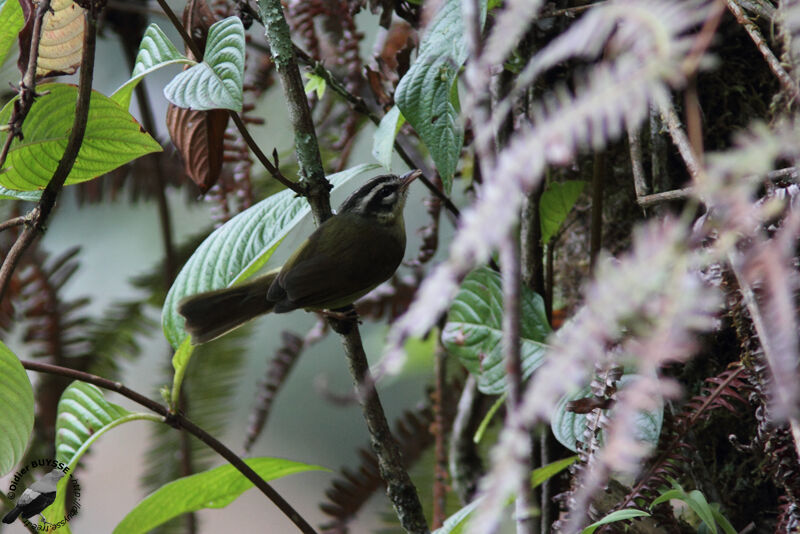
(346, 257)
(36, 497)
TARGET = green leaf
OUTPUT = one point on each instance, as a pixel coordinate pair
(697, 502)
(155, 51)
(474, 329)
(383, 140)
(425, 94)
(555, 205)
(216, 83)
(10, 194)
(488, 417)
(721, 520)
(215, 488)
(112, 138)
(11, 22)
(568, 427)
(613, 517)
(455, 523)
(83, 412)
(546, 472)
(315, 83)
(16, 409)
(239, 248)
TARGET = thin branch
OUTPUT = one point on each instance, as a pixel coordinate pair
(178, 421)
(637, 167)
(510, 260)
(667, 196)
(774, 63)
(237, 120)
(27, 87)
(439, 430)
(41, 212)
(16, 221)
(681, 141)
(598, 177)
(400, 489)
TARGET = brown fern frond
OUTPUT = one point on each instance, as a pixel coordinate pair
(391, 299)
(348, 494)
(277, 373)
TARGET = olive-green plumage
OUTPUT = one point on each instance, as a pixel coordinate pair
(346, 257)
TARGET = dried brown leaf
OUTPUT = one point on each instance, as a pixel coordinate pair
(199, 137)
(61, 44)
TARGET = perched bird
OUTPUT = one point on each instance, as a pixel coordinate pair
(346, 257)
(37, 497)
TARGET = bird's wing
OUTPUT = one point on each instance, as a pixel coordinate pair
(325, 274)
(27, 497)
(46, 484)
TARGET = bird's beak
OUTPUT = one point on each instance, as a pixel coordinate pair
(409, 177)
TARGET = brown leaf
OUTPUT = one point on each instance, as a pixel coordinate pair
(199, 136)
(198, 19)
(61, 44)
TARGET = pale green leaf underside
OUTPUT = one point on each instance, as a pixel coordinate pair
(473, 331)
(112, 138)
(215, 488)
(82, 412)
(613, 517)
(216, 83)
(568, 427)
(11, 22)
(16, 410)
(383, 140)
(155, 51)
(239, 248)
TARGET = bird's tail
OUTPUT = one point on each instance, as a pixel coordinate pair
(212, 314)
(11, 516)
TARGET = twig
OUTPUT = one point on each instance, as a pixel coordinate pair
(466, 465)
(439, 431)
(785, 80)
(510, 260)
(41, 212)
(11, 223)
(667, 196)
(681, 140)
(400, 489)
(178, 421)
(637, 167)
(598, 176)
(237, 120)
(570, 11)
(27, 87)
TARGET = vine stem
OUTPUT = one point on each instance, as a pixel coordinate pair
(40, 213)
(178, 421)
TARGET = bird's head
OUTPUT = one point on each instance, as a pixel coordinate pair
(382, 198)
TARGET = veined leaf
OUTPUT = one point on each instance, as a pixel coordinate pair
(555, 204)
(11, 22)
(474, 331)
(568, 427)
(61, 42)
(427, 95)
(216, 83)
(82, 412)
(112, 138)
(216, 488)
(239, 248)
(8, 194)
(155, 51)
(383, 140)
(16, 409)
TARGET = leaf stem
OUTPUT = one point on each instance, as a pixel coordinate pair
(178, 421)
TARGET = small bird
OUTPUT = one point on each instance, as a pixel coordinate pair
(37, 497)
(345, 258)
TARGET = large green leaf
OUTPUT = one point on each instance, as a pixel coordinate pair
(427, 95)
(16, 409)
(83, 416)
(216, 83)
(613, 517)
(11, 22)
(555, 205)
(239, 248)
(569, 427)
(474, 330)
(155, 51)
(112, 138)
(30, 196)
(215, 488)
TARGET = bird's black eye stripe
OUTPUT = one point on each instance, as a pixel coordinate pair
(385, 191)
